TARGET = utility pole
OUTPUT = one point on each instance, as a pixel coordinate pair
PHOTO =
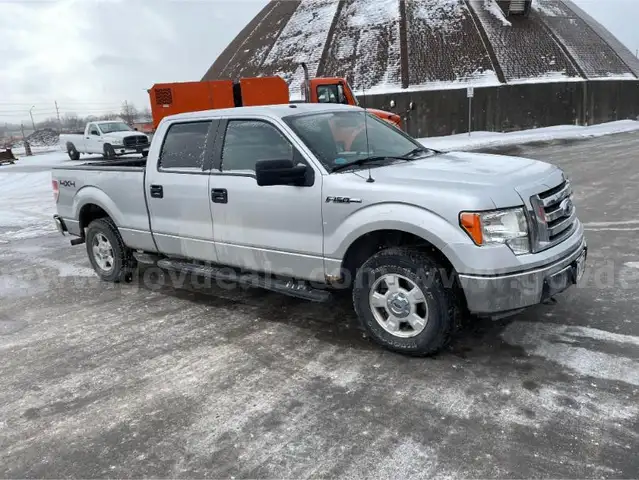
(27, 147)
(31, 114)
(57, 110)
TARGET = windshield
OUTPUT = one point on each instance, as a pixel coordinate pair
(111, 127)
(340, 138)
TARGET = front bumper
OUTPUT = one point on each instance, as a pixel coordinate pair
(504, 293)
(121, 150)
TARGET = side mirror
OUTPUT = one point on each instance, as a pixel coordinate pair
(94, 132)
(411, 106)
(392, 104)
(280, 172)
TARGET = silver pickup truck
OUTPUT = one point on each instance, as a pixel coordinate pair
(305, 199)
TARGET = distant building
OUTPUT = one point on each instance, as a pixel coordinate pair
(532, 64)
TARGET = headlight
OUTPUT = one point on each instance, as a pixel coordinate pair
(509, 227)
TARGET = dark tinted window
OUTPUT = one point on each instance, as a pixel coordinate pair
(249, 141)
(184, 145)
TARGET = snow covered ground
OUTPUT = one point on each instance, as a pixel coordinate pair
(26, 205)
(26, 196)
(477, 140)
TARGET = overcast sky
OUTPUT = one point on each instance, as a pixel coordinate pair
(91, 55)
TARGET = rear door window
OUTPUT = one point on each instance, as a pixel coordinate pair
(184, 146)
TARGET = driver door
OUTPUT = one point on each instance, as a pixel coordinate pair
(272, 229)
(93, 141)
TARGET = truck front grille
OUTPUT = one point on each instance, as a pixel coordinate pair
(135, 141)
(555, 216)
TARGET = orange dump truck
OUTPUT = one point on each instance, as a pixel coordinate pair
(172, 98)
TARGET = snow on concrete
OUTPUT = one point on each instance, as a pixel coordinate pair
(26, 205)
(486, 78)
(369, 19)
(443, 15)
(548, 9)
(496, 139)
(303, 40)
(548, 77)
(571, 346)
(492, 7)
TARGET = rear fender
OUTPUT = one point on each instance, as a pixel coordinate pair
(93, 195)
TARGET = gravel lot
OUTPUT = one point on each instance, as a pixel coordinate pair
(153, 379)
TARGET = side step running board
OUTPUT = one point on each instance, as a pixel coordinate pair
(293, 288)
(147, 258)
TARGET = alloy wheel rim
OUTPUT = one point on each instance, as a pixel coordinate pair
(398, 305)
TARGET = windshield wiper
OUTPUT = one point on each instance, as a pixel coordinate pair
(414, 152)
(363, 161)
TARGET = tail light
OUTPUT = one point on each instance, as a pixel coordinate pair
(56, 190)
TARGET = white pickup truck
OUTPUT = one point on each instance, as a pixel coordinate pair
(109, 138)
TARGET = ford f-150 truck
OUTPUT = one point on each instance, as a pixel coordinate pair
(111, 139)
(303, 199)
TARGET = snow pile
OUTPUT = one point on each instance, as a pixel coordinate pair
(26, 205)
(41, 138)
(492, 7)
(479, 140)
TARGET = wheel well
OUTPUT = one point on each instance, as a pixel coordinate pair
(370, 243)
(70, 144)
(88, 213)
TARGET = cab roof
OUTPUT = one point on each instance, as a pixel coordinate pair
(273, 111)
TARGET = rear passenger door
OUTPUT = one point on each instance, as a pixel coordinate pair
(178, 190)
(276, 229)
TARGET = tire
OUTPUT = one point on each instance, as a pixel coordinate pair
(109, 151)
(438, 309)
(73, 152)
(121, 264)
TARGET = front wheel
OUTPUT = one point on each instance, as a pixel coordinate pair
(109, 151)
(111, 259)
(402, 302)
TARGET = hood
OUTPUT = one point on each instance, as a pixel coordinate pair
(465, 168)
(388, 116)
(477, 175)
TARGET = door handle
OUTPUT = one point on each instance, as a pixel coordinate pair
(157, 191)
(219, 195)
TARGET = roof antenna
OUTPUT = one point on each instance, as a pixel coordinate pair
(370, 178)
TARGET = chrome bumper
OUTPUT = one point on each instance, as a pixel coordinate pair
(503, 293)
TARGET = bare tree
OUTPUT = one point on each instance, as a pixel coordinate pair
(129, 113)
(145, 115)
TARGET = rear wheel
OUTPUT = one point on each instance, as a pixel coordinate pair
(111, 259)
(402, 302)
(109, 151)
(73, 152)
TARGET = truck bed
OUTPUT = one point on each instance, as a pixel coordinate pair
(115, 186)
(127, 164)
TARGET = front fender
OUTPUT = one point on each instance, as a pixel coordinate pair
(396, 216)
(93, 195)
